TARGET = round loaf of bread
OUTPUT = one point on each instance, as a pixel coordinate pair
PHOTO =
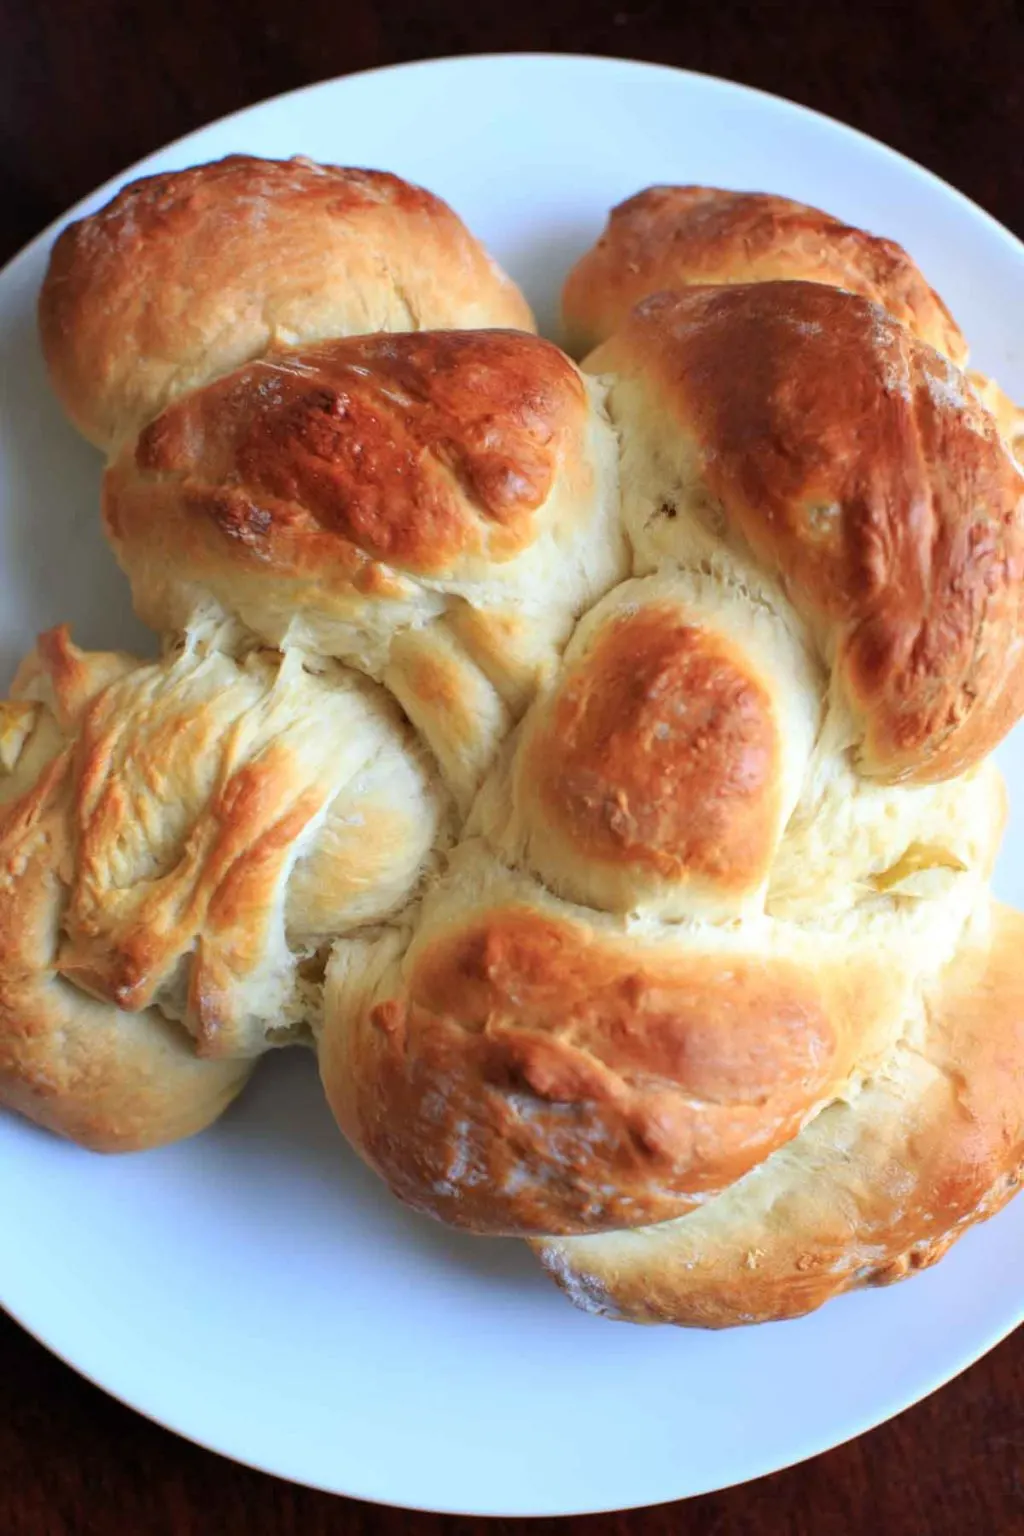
(672, 237)
(434, 509)
(594, 766)
(185, 275)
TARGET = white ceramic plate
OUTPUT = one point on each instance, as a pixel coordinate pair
(256, 1289)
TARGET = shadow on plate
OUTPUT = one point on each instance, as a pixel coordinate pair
(281, 1132)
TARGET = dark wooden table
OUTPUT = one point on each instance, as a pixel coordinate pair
(89, 86)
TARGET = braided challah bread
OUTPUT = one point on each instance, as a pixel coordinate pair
(593, 765)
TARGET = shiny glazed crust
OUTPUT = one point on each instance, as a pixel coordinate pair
(529, 1066)
(799, 431)
(185, 275)
(593, 766)
(435, 509)
(658, 772)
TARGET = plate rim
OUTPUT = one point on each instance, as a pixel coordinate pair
(896, 1403)
(463, 1511)
(602, 60)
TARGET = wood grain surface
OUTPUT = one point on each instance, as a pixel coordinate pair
(89, 86)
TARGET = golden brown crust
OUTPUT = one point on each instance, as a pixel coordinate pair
(868, 1193)
(855, 466)
(221, 819)
(187, 274)
(529, 1081)
(662, 753)
(418, 452)
(656, 774)
(358, 497)
(672, 237)
(529, 1067)
(79, 1067)
(829, 546)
